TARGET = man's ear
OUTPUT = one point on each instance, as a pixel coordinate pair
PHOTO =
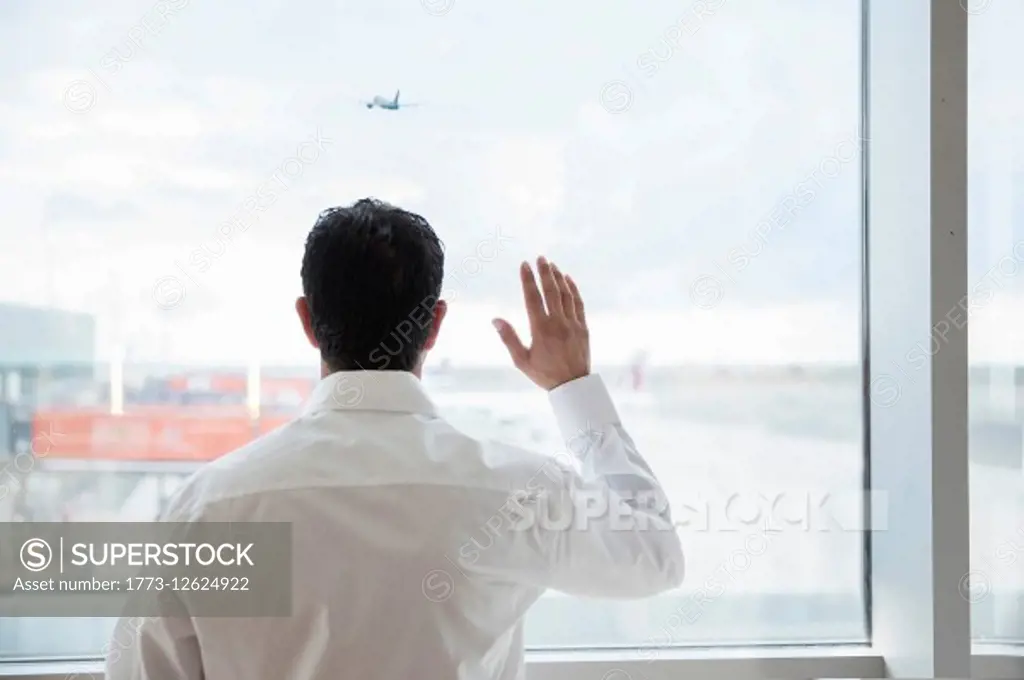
(302, 308)
(440, 309)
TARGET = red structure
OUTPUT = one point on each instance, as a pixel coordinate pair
(193, 417)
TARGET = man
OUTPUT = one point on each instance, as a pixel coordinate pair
(395, 573)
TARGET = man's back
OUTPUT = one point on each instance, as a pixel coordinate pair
(415, 553)
(416, 549)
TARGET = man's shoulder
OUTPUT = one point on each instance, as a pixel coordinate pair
(193, 500)
(518, 467)
(232, 476)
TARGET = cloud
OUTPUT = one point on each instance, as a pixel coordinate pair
(345, 189)
(639, 203)
(68, 207)
(522, 183)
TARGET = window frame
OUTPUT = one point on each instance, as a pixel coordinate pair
(914, 174)
(999, 664)
(915, 208)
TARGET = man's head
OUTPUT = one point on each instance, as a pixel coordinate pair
(371, 281)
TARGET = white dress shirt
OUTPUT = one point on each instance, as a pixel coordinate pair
(417, 549)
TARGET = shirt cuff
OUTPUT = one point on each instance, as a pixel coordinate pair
(583, 409)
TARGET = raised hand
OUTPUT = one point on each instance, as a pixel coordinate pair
(560, 348)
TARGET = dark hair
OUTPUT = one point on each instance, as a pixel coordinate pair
(371, 275)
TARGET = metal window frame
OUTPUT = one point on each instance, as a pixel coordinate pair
(916, 339)
(741, 665)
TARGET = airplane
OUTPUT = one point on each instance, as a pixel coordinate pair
(388, 104)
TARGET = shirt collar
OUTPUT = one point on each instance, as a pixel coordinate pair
(392, 391)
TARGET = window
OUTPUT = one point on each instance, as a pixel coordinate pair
(689, 163)
(996, 251)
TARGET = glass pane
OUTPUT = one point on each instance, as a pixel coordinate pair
(696, 167)
(995, 254)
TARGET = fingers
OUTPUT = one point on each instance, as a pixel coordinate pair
(513, 344)
(577, 300)
(552, 295)
(531, 296)
(568, 306)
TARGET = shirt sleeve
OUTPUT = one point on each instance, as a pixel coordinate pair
(604, 530)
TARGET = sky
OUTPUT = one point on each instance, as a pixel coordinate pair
(644, 147)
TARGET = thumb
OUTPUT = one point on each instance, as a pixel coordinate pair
(515, 346)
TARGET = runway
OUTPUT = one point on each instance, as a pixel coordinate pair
(801, 581)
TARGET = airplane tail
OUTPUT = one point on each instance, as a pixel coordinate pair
(397, 92)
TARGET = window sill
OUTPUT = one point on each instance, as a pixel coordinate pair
(988, 661)
(51, 670)
(998, 662)
(740, 663)
(755, 663)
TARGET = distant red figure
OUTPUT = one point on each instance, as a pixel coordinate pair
(637, 371)
(638, 377)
